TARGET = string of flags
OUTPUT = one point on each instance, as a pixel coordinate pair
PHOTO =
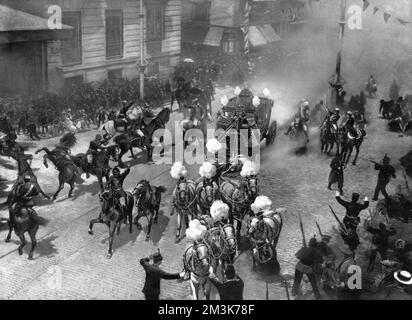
(386, 14)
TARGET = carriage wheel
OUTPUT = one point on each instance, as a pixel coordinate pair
(271, 135)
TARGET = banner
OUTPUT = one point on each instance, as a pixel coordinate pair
(386, 15)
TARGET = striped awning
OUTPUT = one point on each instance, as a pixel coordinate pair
(214, 37)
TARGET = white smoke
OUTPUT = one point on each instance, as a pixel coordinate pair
(213, 146)
(196, 231)
(249, 168)
(207, 170)
(224, 101)
(237, 91)
(262, 203)
(219, 211)
(256, 101)
(266, 92)
(178, 170)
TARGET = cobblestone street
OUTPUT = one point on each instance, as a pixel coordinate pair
(68, 253)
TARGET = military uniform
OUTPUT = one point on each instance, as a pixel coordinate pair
(115, 184)
(380, 242)
(353, 209)
(232, 288)
(386, 171)
(336, 174)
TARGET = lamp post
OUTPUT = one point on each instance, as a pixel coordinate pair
(336, 81)
(142, 64)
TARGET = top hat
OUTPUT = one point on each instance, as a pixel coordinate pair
(403, 277)
(157, 257)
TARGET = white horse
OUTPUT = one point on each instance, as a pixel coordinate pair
(198, 260)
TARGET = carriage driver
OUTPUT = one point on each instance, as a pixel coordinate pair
(95, 147)
(115, 184)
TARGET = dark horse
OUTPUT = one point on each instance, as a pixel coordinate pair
(67, 169)
(328, 137)
(100, 167)
(386, 108)
(148, 126)
(112, 215)
(348, 142)
(148, 200)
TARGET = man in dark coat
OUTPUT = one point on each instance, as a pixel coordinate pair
(336, 174)
(386, 171)
(232, 287)
(405, 208)
(308, 257)
(154, 274)
(353, 209)
(380, 241)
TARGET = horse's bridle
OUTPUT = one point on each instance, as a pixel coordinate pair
(249, 188)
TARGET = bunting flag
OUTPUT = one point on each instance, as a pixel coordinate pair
(386, 14)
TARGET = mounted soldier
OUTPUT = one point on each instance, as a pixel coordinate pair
(115, 184)
(349, 125)
(95, 146)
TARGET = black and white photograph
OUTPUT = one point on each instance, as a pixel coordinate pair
(182, 150)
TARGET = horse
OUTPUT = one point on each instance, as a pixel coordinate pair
(148, 126)
(207, 192)
(223, 243)
(263, 233)
(113, 215)
(67, 169)
(197, 120)
(198, 259)
(386, 108)
(185, 203)
(181, 95)
(401, 123)
(348, 142)
(239, 197)
(25, 220)
(100, 167)
(148, 200)
(328, 137)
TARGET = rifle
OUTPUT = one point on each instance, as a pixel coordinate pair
(374, 162)
(286, 288)
(303, 231)
(337, 219)
(320, 231)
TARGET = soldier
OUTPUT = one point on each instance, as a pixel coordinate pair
(232, 287)
(308, 258)
(95, 147)
(336, 174)
(386, 171)
(115, 184)
(325, 250)
(405, 207)
(380, 242)
(353, 209)
(154, 274)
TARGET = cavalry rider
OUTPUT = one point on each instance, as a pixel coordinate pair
(353, 209)
(298, 124)
(115, 184)
(95, 147)
(24, 193)
(349, 125)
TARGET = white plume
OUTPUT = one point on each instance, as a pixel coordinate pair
(224, 101)
(196, 231)
(207, 170)
(213, 146)
(249, 168)
(262, 203)
(237, 91)
(256, 101)
(266, 92)
(178, 170)
(219, 211)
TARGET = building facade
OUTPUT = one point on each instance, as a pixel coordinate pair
(105, 40)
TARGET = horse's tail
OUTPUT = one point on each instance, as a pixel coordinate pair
(40, 220)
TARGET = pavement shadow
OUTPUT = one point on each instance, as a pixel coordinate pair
(158, 230)
(46, 248)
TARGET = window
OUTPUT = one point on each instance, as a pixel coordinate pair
(115, 75)
(229, 43)
(114, 33)
(155, 22)
(72, 49)
(200, 12)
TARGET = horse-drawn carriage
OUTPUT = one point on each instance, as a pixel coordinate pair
(248, 112)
